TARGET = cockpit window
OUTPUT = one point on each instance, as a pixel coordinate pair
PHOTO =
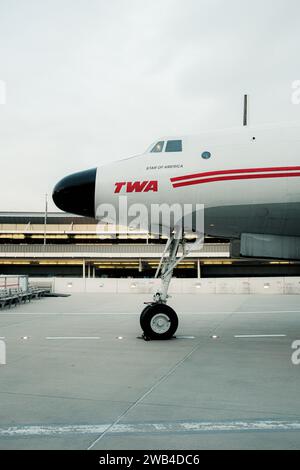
(174, 146)
(158, 147)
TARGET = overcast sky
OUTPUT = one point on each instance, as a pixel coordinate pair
(93, 81)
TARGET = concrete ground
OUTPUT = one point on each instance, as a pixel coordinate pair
(77, 376)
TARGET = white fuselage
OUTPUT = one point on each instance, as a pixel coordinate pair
(250, 183)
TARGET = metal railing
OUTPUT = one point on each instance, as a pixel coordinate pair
(14, 297)
(15, 290)
(102, 249)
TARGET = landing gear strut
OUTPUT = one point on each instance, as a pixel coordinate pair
(158, 320)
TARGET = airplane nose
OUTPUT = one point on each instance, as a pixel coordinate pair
(76, 193)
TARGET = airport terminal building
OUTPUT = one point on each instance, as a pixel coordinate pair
(65, 245)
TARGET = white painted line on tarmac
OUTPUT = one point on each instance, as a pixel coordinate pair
(22, 314)
(71, 337)
(188, 427)
(185, 337)
(51, 430)
(260, 336)
(236, 312)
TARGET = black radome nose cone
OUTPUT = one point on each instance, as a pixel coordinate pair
(76, 193)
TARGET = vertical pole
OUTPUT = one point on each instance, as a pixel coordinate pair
(45, 219)
(94, 270)
(89, 270)
(245, 118)
(83, 268)
(198, 269)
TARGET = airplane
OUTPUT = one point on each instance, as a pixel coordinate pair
(248, 180)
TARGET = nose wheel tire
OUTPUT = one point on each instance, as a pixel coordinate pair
(158, 321)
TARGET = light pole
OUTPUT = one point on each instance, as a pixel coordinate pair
(45, 219)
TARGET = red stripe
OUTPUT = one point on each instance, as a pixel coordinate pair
(237, 177)
(226, 172)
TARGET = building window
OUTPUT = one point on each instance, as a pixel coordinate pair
(174, 146)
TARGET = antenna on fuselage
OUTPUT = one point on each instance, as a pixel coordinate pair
(245, 117)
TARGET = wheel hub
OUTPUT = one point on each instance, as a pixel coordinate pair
(160, 323)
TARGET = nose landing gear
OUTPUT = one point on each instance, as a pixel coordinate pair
(158, 320)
